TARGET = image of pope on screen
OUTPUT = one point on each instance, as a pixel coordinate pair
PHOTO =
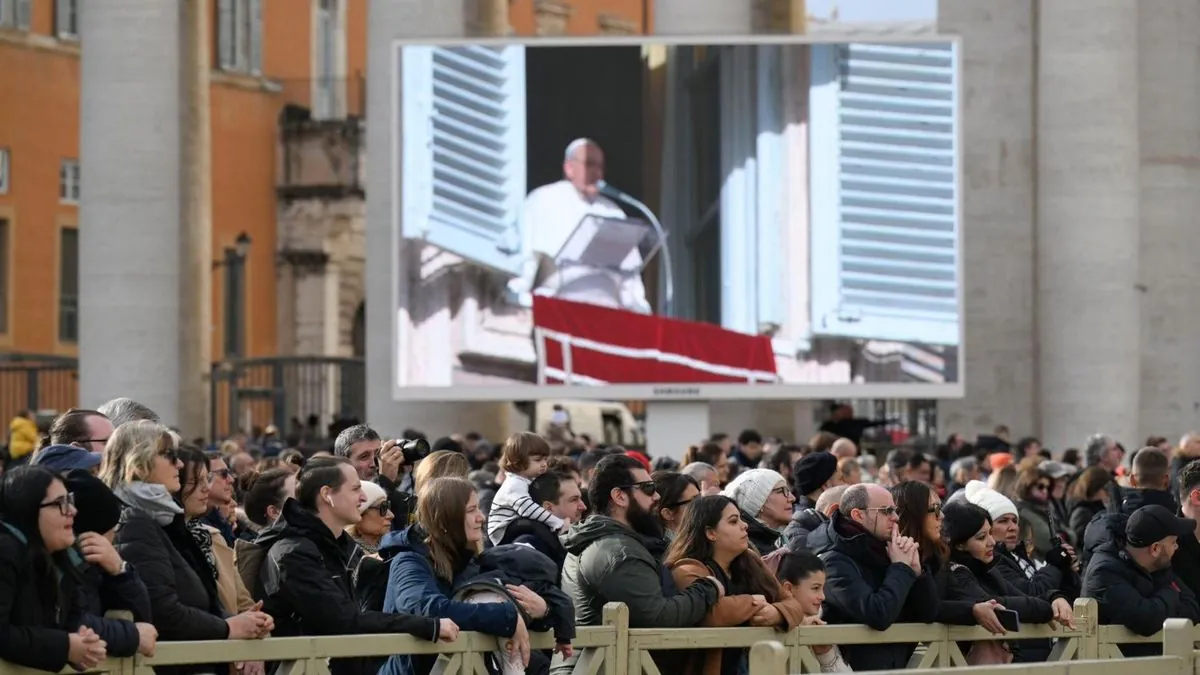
(685, 214)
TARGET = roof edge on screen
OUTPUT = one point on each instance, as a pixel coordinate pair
(680, 392)
(825, 35)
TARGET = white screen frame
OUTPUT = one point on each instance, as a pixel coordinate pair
(663, 391)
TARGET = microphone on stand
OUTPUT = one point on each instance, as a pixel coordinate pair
(608, 190)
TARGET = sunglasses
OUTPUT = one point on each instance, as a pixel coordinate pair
(382, 508)
(1041, 486)
(675, 505)
(64, 503)
(886, 510)
(647, 487)
(169, 454)
(224, 474)
(936, 509)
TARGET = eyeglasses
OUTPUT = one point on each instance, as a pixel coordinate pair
(782, 490)
(382, 508)
(169, 455)
(224, 474)
(1041, 486)
(886, 510)
(64, 503)
(675, 505)
(647, 487)
(935, 509)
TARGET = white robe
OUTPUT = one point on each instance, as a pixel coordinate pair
(551, 213)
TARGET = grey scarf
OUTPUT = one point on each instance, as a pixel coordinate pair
(151, 498)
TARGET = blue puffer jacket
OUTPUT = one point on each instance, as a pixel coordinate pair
(413, 588)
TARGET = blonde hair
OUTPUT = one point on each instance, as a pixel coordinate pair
(131, 451)
(442, 513)
(1004, 481)
(440, 464)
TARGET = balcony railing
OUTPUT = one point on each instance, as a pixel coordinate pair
(321, 136)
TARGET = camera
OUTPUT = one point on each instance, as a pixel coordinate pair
(414, 450)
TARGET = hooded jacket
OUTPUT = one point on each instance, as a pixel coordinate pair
(306, 584)
(974, 581)
(863, 586)
(608, 562)
(413, 587)
(1122, 503)
(803, 523)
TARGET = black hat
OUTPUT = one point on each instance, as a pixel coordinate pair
(961, 520)
(98, 508)
(1152, 524)
(813, 471)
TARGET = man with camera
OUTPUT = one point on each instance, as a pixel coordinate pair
(388, 464)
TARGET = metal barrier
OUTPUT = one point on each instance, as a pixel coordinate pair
(613, 648)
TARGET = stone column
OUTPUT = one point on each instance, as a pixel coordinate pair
(997, 81)
(130, 234)
(1169, 123)
(1087, 221)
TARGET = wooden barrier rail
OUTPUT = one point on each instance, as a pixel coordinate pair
(613, 648)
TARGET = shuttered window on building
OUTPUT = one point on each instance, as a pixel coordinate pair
(463, 151)
(885, 202)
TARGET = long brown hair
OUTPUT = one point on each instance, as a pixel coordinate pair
(702, 515)
(442, 514)
(912, 504)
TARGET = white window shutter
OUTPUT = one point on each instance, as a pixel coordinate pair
(884, 192)
(256, 37)
(24, 14)
(226, 35)
(463, 166)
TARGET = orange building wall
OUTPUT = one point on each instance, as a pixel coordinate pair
(585, 17)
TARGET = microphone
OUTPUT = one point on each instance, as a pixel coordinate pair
(608, 190)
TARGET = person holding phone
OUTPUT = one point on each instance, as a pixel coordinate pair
(967, 530)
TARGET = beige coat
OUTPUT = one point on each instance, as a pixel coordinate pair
(235, 598)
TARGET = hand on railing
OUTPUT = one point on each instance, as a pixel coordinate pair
(519, 644)
(985, 616)
(815, 620)
(1063, 614)
(447, 630)
(251, 668)
(86, 650)
(147, 638)
(251, 624)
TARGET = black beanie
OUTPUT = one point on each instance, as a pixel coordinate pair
(98, 508)
(961, 520)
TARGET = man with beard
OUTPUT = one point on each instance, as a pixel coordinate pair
(609, 557)
(1131, 578)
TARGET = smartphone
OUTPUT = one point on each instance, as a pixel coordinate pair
(1009, 619)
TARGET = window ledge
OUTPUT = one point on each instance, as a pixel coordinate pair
(245, 81)
(46, 43)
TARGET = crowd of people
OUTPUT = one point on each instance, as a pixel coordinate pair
(113, 515)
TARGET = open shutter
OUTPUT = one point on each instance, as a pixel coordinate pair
(24, 14)
(884, 191)
(226, 43)
(256, 37)
(463, 140)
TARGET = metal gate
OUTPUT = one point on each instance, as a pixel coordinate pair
(49, 384)
(249, 393)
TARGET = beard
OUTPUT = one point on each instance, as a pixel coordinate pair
(642, 521)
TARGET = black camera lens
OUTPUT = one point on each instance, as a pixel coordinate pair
(414, 450)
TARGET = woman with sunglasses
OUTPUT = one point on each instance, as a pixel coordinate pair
(142, 467)
(766, 503)
(675, 492)
(1033, 503)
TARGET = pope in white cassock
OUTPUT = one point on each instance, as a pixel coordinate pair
(550, 216)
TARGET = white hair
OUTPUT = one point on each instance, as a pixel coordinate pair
(575, 146)
(1187, 438)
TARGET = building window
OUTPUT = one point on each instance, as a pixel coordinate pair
(4, 262)
(239, 36)
(68, 181)
(68, 286)
(15, 14)
(328, 84)
(5, 171)
(66, 19)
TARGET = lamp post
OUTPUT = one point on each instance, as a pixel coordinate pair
(235, 296)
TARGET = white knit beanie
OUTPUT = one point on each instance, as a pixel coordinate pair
(751, 489)
(996, 504)
(375, 495)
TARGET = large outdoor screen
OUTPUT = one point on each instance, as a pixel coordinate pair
(671, 220)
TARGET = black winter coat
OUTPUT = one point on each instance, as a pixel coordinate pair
(1132, 597)
(521, 565)
(803, 523)
(123, 592)
(183, 603)
(306, 584)
(1122, 503)
(540, 537)
(34, 627)
(1082, 514)
(973, 581)
(863, 586)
